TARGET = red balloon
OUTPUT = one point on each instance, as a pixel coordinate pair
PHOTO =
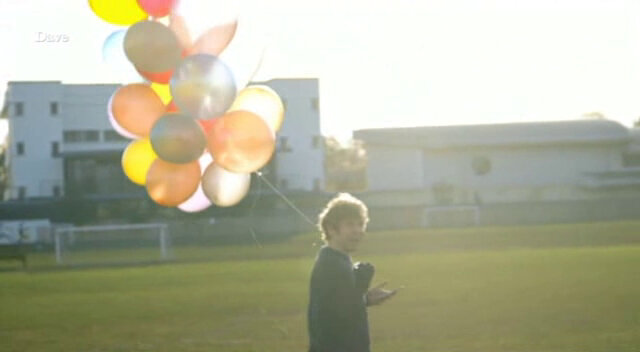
(157, 8)
(158, 77)
(172, 107)
(207, 125)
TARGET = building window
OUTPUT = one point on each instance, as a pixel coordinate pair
(56, 191)
(53, 108)
(80, 136)
(481, 165)
(317, 184)
(19, 109)
(112, 136)
(314, 104)
(284, 145)
(55, 149)
(20, 148)
(22, 192)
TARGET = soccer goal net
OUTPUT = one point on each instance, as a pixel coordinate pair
(112, 244)
(451, 216)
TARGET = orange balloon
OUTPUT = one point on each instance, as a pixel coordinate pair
(171, 184)
(241, 141)
(136, 107)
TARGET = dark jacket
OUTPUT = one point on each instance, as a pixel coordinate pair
(337, 314)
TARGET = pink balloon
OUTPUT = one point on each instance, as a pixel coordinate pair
(157, 8)
(198, 201)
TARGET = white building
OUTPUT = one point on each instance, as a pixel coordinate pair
(502, 163)
(60, 141)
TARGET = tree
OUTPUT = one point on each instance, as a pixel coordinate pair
(345, 166)
(637, 123)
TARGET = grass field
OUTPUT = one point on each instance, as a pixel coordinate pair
(546, 288)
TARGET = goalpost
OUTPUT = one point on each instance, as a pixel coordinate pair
(455, 215)
(106, 244)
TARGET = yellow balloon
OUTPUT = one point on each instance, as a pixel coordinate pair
(262, 101)
(163, 92)
(137, 159)
(120, 12)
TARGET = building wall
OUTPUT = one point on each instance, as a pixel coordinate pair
(514, 174)
(37, 171)
(299, 156)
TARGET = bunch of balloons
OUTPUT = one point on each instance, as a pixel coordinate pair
(199, 131)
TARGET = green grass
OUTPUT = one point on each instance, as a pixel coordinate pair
(547, 288)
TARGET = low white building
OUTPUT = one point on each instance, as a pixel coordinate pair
(60, 142)
(502, 163)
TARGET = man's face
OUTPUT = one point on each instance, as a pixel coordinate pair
(347, 234)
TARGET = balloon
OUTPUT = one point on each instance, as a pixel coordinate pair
(190, 24)
(202, 86)
(171, 107)
(224, 188)
(171, 184)
(121, 131)
(158, 77)
(198, 201)
(137, 159)
(114, 57)
(178, 138)
(241, 141)
(244, 54)
(136, 107)
(157, 8)
(215, 40)
(163, 92)
(207, 124)
(120, 12)
(152, 47)
(262, 101)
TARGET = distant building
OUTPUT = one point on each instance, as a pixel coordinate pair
(451, 167)
(61, 144)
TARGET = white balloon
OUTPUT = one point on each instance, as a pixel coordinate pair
(224, 188)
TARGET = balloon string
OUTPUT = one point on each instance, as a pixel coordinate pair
(285, 199)
(253, 206)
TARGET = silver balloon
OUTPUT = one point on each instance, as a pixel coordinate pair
(152, 46)
(203, 86)
(178, 138)
(224, 188)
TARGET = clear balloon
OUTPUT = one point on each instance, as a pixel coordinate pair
(178, 138)
(119, 12)
(115, 59)
(244, 54)
(198, 201)
(152, 47)
(137, 159)
(215, 40)
(224, 188)
(262, 101)
(157, 8)
(203, 86)
(172, 184)
(189, 22)
(241, 141)
(136, 107)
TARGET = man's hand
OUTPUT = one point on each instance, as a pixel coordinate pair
(378, 295)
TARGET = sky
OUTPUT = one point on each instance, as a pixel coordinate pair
(392, 63)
